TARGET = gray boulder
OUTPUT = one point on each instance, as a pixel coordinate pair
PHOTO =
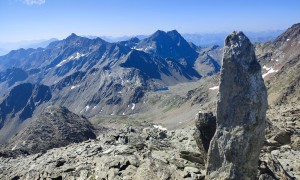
(241, 110)
(205, 130)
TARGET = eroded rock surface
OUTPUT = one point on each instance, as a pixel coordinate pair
(128, 153)
(55, 127)
(205, 130)
(241, 111)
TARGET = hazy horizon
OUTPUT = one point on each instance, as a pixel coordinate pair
(130, 36)
(28, 20)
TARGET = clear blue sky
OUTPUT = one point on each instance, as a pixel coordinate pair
(43, 19)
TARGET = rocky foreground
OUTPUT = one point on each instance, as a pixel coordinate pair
(147, 152)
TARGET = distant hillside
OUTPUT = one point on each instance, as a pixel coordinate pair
(3, 51)
(6, 47)
(210, 39)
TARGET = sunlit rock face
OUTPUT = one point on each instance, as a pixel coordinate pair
(241, 110)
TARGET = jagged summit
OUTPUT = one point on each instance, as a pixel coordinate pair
(159, 34)
(237, 39)
(73, 35)
(168, 45)
(174, 34)
(238, 45)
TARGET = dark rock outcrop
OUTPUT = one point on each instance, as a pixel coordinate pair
(22, 101)
(241, 110)
(206, 128)
(13, 76)
(55, 127)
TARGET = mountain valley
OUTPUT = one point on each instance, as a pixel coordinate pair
(54, 99)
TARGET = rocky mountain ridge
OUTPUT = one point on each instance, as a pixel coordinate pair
(170, 105)
(104, 78)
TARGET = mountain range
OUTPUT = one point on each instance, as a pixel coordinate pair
(133, 97)
(200, 39)
(92, 76)
(156, 77)
(6, 47)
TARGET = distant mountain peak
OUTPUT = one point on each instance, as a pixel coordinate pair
(168, 45)
(173, 32)
(73, 35)
(157, 34)
(175, 36)
(134, 39)
(161, 35)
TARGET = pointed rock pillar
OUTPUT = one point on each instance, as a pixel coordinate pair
(241, 110)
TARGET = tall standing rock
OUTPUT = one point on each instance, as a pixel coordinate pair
(241, 111)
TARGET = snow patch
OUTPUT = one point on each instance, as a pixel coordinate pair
(123, 114)
(72, 57)
(160, 127)
(87, 108)
(269, 72)
(139, 49)
(133, 106)
(61, 63)
(73, 87)
(287, 39)
(78, 55)
(214, 88)
(266, 68)
(14, 147)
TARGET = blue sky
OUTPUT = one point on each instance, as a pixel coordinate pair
(43, 19)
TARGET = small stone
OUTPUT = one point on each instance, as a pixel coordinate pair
(192, 170)
(283, 137)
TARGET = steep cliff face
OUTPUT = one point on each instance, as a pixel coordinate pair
(19, 105)
(241, 111)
